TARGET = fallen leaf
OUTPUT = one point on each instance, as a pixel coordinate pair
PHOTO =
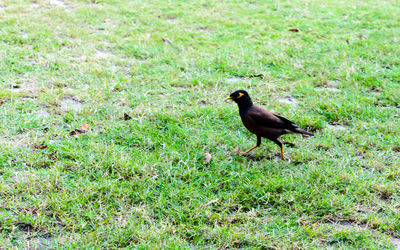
(1, 102)
(166, 40)
(77, 131)
(209, 203)
(85, 126)
(127, 117)
(46, 165)
(255, 75)
(117, 89)
(362, 36)
(42, 146)
(207, 158)
(294, 30)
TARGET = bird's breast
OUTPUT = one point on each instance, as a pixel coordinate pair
(250, 125)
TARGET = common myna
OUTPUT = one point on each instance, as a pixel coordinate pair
(263, 123)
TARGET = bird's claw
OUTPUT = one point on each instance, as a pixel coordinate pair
(236, 150)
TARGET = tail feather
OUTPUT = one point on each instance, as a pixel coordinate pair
(302, 131)
(292, 127)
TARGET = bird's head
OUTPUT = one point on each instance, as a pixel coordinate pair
(240, 97)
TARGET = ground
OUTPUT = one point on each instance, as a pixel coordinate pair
(108, 109)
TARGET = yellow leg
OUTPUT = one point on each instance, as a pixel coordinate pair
(282, 156)
(248, 151)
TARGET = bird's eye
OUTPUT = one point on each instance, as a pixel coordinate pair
(240, 95)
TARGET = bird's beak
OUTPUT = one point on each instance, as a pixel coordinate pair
(228, 98)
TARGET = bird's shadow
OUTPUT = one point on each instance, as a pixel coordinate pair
(251, 157)
(275, 158)
(269, 157)
(289, 144)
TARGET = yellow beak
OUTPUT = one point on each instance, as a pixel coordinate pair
(228, 98)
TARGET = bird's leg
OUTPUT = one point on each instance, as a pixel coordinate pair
(248, 151)
(258, 144)
(281, 146)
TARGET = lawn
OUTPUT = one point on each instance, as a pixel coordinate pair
(107, 109)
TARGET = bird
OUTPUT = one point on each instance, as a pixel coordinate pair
(263, 123)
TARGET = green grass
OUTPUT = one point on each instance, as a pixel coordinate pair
(142, 182)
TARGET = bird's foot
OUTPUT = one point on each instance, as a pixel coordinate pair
(236, 150)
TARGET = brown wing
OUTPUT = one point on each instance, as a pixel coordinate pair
(268, 119)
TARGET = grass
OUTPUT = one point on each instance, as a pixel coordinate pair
(142, 182)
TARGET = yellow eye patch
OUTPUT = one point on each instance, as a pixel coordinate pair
(240, 95)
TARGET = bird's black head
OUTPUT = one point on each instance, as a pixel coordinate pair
(241, 97)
